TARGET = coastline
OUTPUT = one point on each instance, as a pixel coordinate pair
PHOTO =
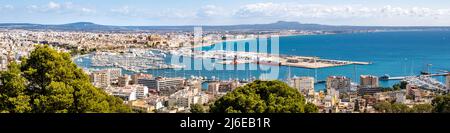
(245, 39)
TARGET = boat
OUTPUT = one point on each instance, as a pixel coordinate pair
(385, 77)
(425, 73)
(272, 63)
(321, 82)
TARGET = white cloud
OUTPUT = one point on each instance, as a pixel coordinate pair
(62, 8)
(122, 10)
(172, 13)
(6, 7)
(169, 13)
(53, 5)
(310, 13)
(264, 13)
(86, 10)
(211, 11)
(275, 10)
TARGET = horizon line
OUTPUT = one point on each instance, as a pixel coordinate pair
(212, 25)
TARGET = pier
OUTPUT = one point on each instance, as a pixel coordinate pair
(241, 57)
(315, 62)
(387, 77)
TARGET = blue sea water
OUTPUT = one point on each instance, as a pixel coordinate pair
(399, 53)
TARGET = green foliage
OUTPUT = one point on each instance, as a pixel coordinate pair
(263, 97)
(422, 108)
(197, 108)
(399, 108)
(311, 108)
(12, 91)
(400, 86)
(76, 51)
(49, 82)
(396, 87)
(384, 107)
(387, 107)
(441, 104)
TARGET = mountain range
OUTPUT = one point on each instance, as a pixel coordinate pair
(280, 25)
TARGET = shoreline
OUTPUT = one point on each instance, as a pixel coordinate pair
(245, 39)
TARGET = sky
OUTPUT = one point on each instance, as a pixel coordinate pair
(228, 12)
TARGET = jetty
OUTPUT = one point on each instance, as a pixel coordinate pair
(387, 77)
(315, 62)
(240, 57)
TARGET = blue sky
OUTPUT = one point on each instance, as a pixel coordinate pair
(227, 12)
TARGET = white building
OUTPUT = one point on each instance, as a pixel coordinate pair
(185, 97)
(369, 81)
(303, 84)
(124, 80)
(400, 98)
(135, 78)
(201, 98)
(213, 88)
(448, 82)
(194, 85)
(115, 73)
(328, 101)
(126, 94)
(101, 79)
(166, 86)
(180, 101)
(3, 63)
(141, 91)
(340, 83)
(184, 101)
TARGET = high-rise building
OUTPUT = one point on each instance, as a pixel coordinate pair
(213, 87)
(135, 78)
(368, 81)
(104, 78)
(182, 98)
(339, 83)
(101, 78)
(228, 86)
(3, 63)
(195, 86)
(124, 80)
(141, 91)
(448, 81)
(160, 83)
(115, 73)
(303, 84)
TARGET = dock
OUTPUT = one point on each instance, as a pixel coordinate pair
(234, 57)
(387, 77)
(315, 62)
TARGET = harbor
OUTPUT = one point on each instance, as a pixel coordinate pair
(241, 57)
(132, 60)
(312, 61)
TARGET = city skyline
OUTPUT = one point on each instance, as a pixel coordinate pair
(195, 12)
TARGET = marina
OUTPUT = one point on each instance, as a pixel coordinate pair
(133, 60)
(346, 48)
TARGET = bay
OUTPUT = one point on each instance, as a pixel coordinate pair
(399, 53)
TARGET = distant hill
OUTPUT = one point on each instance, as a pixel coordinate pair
(280, 25)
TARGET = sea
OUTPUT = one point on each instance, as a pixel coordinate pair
(394, 53)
